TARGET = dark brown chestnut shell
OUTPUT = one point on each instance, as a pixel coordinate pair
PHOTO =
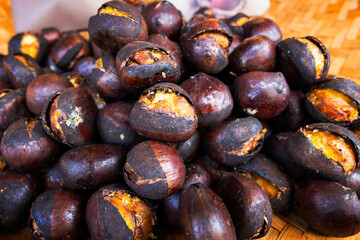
(262, 26)
(303, 152)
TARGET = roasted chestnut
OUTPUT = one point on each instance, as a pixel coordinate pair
(85, 66)
(41, 88)
(262, 94)
(205, 43)
(114, 212)
(203, 215)
(91, 166)
(336, 100)
(26, 147)
(116, 24)
(57, 214)
(327, 149)
(51, 34)
(113, 125)
(164, 112)
(70, 117)
(30, 43)
(236, 23)
(188, 148)
(271, 178)
(353, 181)
(139, 4)
(21, 69)
(256, 53)
(17, 191)
(262, 26)
(303, 61)
(53, 178)
(329, 207)
(105, 79)
(212, 167)
(163, 17)
(142, 64)
(154, 170)
(247, 203)
(234, 141)
(12, 107)
(212, 98)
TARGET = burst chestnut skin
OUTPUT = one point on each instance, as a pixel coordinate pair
(212, 98)
(112, 32)
(57, 214)
(247, 203)
(17, 191)
(234, 141)
(262, 26)
(26, 147)
(91, 166)
(203, 215)
(154, 170)
(262, 94)
(329, 207)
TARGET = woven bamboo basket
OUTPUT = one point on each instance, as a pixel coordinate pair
(335, 22)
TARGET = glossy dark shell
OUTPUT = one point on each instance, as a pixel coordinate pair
(160, 127)
(297, 64)
(212, 167)
(85, 66)
(51, 34)
(303, 152)
(136, 78)
(353, 181)
(247, 203)
(262, 26)
(53, 178)
(266, 168)
(343, 85)
(212, 98)
(91, 166)
(189, 148)
(329, 207)
(111, 33)
(26, 147)
(220, 140)
(231, 22)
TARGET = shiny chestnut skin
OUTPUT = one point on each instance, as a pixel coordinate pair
(212, 167)
(12, 107)
(188, 148)
(235, 42)
(113, 125)
(353, 181)
(154, 170)
(26, 147)
(85, 66)
(271, 178)
(30, 43)
(247, 203)
(70, 47)
(51, 34)
(261, 94)
(70, 117)
(104, 77)
(21, 69)
(212, 98)
(236, 23)
(163, 17)
(41, 88)
(303, 61)
(173, 119)
(115, 212)
(335, 100)
(91, 166)
(205, 44)
(255, 53)
(203, 215)
(329, 207)
(17, 191)
(142, 64)
(57, 214)
(306, 148)
(234, 141)
(116, 24)
(262, 26)
(53, 178)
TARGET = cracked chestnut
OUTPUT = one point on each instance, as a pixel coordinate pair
(51, 34)
(154, 170)
(236, 23)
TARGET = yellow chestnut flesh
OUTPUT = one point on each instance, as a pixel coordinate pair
(270, 189)
(250, 145)
(318, 55)
(143, 57)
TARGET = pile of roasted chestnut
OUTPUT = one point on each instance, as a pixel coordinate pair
(145, 126)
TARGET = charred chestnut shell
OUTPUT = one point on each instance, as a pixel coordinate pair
(114, 212)
(142, 64)
(328, 149)
(205, 44)
(336, 100)
(51, 34)
(116, 24)
(172, 119)
(303, 61)
(234, 141)
(271, 178)
(247, 203)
